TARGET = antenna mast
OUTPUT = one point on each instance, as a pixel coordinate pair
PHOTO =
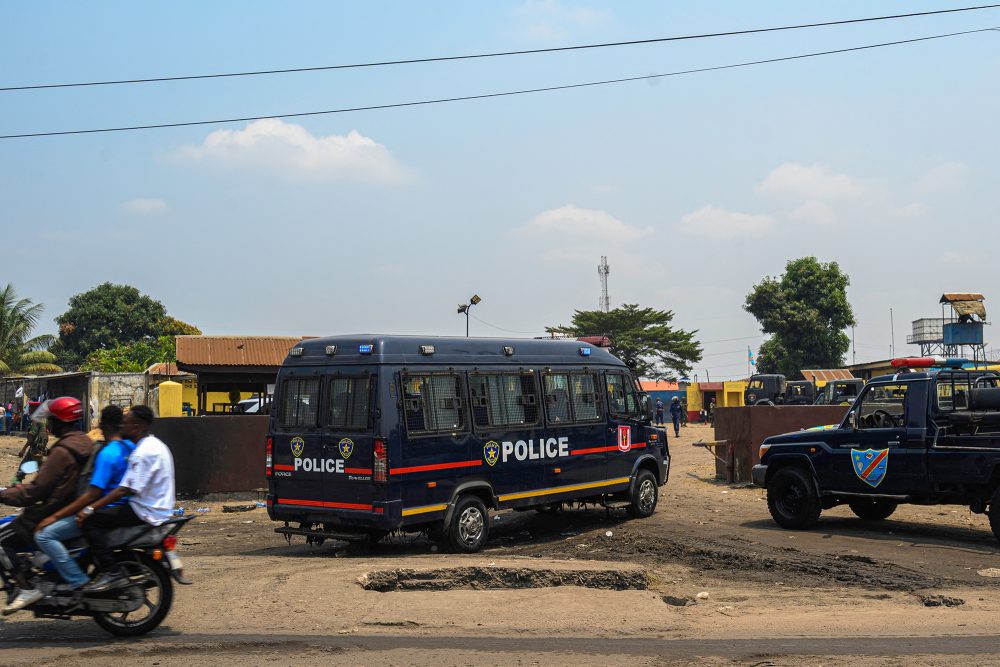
(603, 270)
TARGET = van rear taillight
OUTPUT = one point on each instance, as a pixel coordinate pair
(380, 469)
(268, 448)
(170, 542)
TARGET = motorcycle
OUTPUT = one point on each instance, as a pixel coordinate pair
(146, 553)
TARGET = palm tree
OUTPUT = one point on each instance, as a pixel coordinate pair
(20, 354)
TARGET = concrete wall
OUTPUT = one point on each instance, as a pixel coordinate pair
(746, 428)
(218, 454)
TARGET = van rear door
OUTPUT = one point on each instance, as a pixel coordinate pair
(346, 437)
(297, 447)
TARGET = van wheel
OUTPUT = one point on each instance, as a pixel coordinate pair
(470, 525)
(872, 509)
(644, 495)
(792, 499)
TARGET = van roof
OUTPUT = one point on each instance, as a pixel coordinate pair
(448, 350)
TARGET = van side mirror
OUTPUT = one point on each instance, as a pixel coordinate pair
(647, 409)
(852, 420)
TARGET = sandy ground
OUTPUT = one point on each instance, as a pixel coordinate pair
(847, 592)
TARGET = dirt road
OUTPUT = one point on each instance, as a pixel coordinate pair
(556, 589)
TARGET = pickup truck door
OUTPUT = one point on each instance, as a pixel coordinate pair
(886, 454)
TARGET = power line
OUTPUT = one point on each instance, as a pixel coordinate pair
(481, 321)
(497, 54)
(482, 96)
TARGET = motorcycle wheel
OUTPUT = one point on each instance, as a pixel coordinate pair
(158, 595)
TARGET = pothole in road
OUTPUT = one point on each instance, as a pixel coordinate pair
(500, 578)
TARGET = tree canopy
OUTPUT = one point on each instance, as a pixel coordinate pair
(641, 337)
(806, 311)
(117, 323)
(20, 352)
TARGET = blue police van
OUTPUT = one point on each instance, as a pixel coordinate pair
(374, 434)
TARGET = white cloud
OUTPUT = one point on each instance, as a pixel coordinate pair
(718, 223)
(909, 211)
(144, 206)
(552, 20)
(809, 182)
(291, 149)
(814, 213)
(947, 177)
(585, 223)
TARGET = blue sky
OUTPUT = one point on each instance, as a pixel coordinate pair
(695, 187)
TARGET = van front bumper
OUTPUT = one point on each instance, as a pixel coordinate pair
(759, 475)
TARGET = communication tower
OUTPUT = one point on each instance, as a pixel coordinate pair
(603, 270)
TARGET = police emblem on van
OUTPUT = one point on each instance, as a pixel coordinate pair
(346, 447)
(491, 452)
(624, 438)
(298, 444)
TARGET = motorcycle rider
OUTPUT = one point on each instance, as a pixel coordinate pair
(52, 488)
(149, 485)
(110, 461)
(34, 446)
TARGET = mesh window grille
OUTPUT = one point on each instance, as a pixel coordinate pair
(558, 409)
(349, 403)
(586, 403)
(298, 408)
(616, 393)
(433, 403)
(503, 399)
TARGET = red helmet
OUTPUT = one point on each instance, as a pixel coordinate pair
(65, 409)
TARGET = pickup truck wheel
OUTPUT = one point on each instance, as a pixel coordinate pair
(872, 509)
(470, 525)
(792, 499)
(643, 495)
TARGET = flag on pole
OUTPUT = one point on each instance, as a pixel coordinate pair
(750, 357)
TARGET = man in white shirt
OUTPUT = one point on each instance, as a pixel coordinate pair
(149, 485)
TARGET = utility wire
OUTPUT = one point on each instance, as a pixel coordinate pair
(481, 321)
(483, 96)
(499, 54)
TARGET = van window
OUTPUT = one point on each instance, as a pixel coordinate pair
(432, 403)
(503, 399)
(623, 400)
(348, 402)
(583, 391)
(300, 397)
(557, 402)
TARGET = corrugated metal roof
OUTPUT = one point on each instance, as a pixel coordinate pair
(234, 350)
(658, 385)
(948, 297)
(825, 375)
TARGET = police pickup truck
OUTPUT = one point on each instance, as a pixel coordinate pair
(928, 435)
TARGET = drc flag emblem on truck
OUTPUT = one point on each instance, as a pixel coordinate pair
(346, 447)
(491, 452)
(298, 444)
(870, 464)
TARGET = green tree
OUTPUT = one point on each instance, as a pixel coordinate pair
(805, 311)
(20, 352)
(133, 357)
(110, 321)
(641, 337)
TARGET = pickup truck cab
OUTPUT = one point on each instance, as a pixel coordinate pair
(927, 438)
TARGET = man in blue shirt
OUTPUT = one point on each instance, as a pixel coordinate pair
(109, 466)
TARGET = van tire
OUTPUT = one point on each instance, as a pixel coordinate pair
(643, 495)
(872, 509)
(792, 499)
(470, 525)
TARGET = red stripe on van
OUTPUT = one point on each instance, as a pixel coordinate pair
(358, 471)
(598, 450)
(436, 466)
(592, 450)
(332, 505)
(283, 467)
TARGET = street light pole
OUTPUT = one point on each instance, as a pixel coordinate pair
(465, 307)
